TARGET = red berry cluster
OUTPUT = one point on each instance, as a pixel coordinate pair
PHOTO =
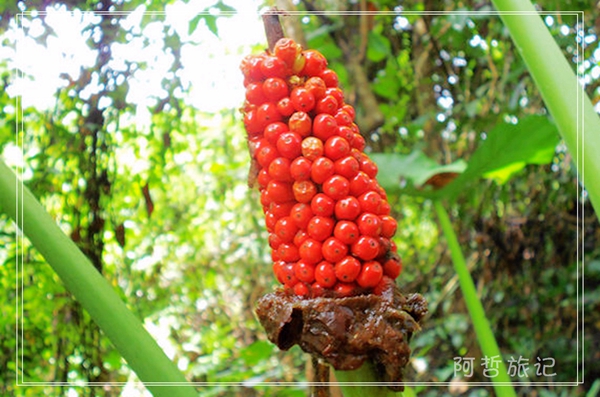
(328, 218)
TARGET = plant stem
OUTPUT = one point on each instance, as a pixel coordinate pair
(95, 294)
(365, 374)
(483, 331)
(560, 89)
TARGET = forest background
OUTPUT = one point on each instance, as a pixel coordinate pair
(129, 132)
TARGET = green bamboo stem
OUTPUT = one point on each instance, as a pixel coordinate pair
(124, 330)
(483, 331)
(560, 89)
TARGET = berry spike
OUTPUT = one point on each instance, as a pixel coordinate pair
(314, 155)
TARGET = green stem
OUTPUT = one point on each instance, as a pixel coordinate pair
(560, 89)
(483, 331)
(365, 374)
(125, 331)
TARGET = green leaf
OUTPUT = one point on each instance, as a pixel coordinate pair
(224, 7)
(211, 23)
(194, 23)
(508, 149)
(256, 352)
(378, 47)
(415, 167)
(209, 20)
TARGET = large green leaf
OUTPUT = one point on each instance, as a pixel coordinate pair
(416, 167)
(507, 149)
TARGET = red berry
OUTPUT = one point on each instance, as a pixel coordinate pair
(325, 275)
(370, 275)
(336, 147)
(300, 168)
(274, 89)
(388, 226)
(273, 67)
(322, 205)
(274, 241)
(263, 178)
(289, 145)
(370, 202)
(330, 78)
(316, 290)
(311, 251)
(304, 191)
(301, 289)
(285, 107)
(345, 133)
(304, 271)
(286, 229)
(279, 169)
(265, 154)
(328, 104)
(369, 224)
(385, 245)
(337, 94)
(368, 166)
(251, 123)
(288, 252)
(336, 187)
(274, 130)
(302, 99)
(286, 49)
(320, 227)
(347, 208)
(255, 94)
(300, 123)
(360, 184)
(267, 113)
(281, 210)
(358, 142)
(385, 208)
(316, 86)
(347, 167)
(334, 250)
(385, 285)
(301, 214)
(346, 231)
(287, 275)
(350, 110)
(321, 170)
(392, 267)
(343, 290)
(343, 119)
(265, 199)
(366, 248)
(324, 126)
(300, 237)
(347, 269)
(280, 192)
(278, 270)
(315, 63)
(312, 148)
(251, 67)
